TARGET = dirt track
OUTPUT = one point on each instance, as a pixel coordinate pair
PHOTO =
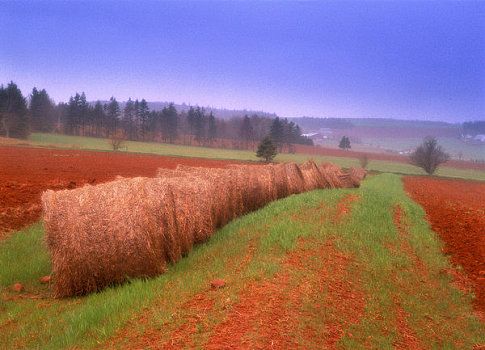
(27, 172)
(455, 210)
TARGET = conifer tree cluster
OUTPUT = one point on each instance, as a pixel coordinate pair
(134, 120)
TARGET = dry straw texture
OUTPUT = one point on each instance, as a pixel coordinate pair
(101, 235)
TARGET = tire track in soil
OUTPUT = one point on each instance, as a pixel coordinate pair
(408, 338)
(196, 310)
(269, 313)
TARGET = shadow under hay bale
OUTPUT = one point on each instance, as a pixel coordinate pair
(99, 235)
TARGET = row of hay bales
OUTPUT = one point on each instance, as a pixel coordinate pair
(100, 235)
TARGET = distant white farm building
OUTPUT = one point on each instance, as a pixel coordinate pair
(480, 138)
(313, 135)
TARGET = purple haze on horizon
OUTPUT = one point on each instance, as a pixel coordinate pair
(403, 60)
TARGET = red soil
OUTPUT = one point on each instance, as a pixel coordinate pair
(27, 172)
(456, 211)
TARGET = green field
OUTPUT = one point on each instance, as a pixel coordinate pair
(362, 252)
(451, 145)
(90, 143)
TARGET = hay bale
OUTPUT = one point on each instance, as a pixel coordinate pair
(345, 180)
(255, 183)
(281, 181)
(98, 235)
(359, 173)
(226, 195)
(296, 181)
(313, 179)
(356, 175)
(331, 174)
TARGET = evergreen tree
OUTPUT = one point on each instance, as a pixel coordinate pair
(43, 113)
(14, 115)
(199, 124)
(191, 119)
(211, 128)
(98, 117)
(170, 117)
(112, 116)
(83, 112)
(137, 119)
(128, 121)
(143, 115)
(277, 132)
(266, 149)
(246, 130)
(344, 143)
(73, 119)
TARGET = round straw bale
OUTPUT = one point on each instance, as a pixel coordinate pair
(345, 180)
(227, 197)
(331, 173)
(256, 184)
(313, 179)
(281, 181)
(356, 175)
(103, 233)
(295, 178)
(194, 211)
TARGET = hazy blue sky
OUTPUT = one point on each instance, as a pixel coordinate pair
(413, 60)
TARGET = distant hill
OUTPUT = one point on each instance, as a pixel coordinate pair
(309, 124)
(221, 113)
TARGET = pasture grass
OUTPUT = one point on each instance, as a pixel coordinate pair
(98, 144)
(392, 270)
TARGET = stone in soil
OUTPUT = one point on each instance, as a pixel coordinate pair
(17, 287)
(216, 284)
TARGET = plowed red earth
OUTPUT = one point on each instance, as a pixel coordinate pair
(456, 211)
(27, 172)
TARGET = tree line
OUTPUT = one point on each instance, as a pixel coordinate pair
(133, 120)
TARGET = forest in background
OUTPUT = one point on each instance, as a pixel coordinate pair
(134, 120)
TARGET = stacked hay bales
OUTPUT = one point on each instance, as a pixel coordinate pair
(99, 235)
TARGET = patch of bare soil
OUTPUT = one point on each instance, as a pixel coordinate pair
(26, 172)
(456, 211)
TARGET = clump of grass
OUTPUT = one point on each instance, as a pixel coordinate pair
(23, 257)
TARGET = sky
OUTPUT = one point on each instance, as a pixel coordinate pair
(381, 59)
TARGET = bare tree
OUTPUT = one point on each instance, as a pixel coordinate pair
(364, 160)
(429, 155)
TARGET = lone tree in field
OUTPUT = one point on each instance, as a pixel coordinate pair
(344, 143)
(364, 160)
(266, 149)
(429, 155)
